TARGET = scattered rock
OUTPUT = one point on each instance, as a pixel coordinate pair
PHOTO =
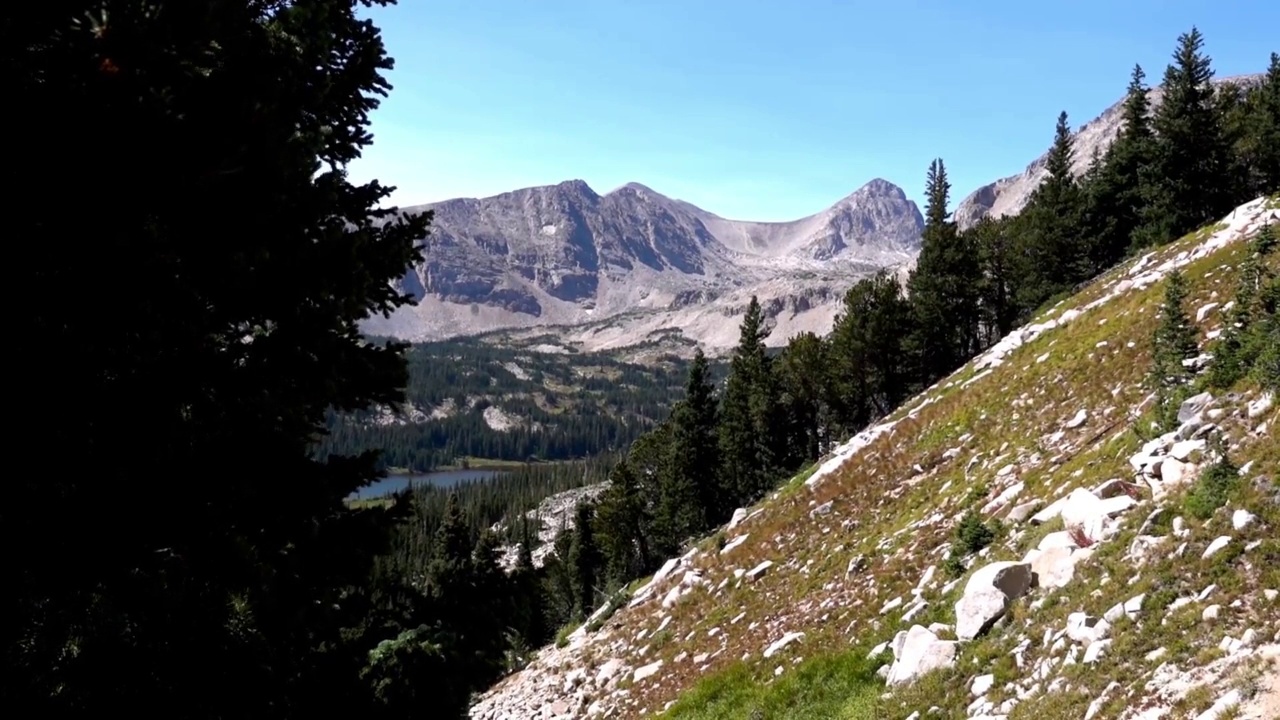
(920, 652)
(784, 641)
(1216, 545)
(1193, 406)
(647, 671)
(1261, 405)
(1241, 519)
(987, 595)
(758, 571)
(1019, 513)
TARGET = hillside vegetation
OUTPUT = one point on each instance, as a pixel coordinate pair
(777, 615)
(468, 400)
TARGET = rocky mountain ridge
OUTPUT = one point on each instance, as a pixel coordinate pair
(1009, 195)
(1099, 595)
(615, 269)
(634, 267)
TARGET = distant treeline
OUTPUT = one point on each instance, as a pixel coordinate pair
(565, 406)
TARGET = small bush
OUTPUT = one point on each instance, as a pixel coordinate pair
(1212, 490)
(562, 635)
(972, 535)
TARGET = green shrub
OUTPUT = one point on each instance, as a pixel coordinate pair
(1212, 490)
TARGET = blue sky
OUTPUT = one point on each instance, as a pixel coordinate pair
(762, 109)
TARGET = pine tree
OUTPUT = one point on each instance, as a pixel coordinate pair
(747, 438)
(803, 371)
(583, 560)
(1251, 119)
(1192, 158)
(689, 495)
(1052, 255)
(1265, 132)
(1173, 342)
(1116, 191)
(1266, 369)
(869, 367)
(528, 622)
(1243, 345)
(622, 526)
(943, 288)
(229, 267)
(998, 289)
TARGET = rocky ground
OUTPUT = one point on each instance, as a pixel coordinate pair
(1101, 596)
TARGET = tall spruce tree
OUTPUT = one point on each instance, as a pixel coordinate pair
(869, 366)
(1052, 254)
(1173, 341)
(229, 260)
(1255, 132)
(622, 526)
(690, 497)
(748, 438)
(583, 560)
(994, 241)
(803, 371)
(1117, 197)
(1192, 158)
(943, 288)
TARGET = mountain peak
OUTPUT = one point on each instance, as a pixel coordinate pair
(879, 187)
(638, 187)
(577, 186)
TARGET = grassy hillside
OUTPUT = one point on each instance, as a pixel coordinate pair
(851, 542)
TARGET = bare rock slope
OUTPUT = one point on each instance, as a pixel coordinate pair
(1008, 195)
(632, 265)
(1102, 595)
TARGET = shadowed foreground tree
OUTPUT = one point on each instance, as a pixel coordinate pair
(195, 265)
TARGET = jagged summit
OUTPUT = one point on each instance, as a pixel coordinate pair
(612, 270)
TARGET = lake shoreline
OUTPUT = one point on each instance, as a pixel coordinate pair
(393, 483)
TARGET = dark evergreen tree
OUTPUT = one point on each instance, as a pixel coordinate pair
(1053, 256)
(803, 373)
(994, 241)
(583, 560)
(747, 437)
(689, 498)
(560, 600)
(229, 260)
(943, 288)
(1191, 154)
(528, 617)
(869, 368)
(1173, 342)
(623, 527)
(1251, 126)
(1121, 193)
(1249, 326)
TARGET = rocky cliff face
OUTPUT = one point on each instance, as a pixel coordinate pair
(609, 270)
(1008, 195)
